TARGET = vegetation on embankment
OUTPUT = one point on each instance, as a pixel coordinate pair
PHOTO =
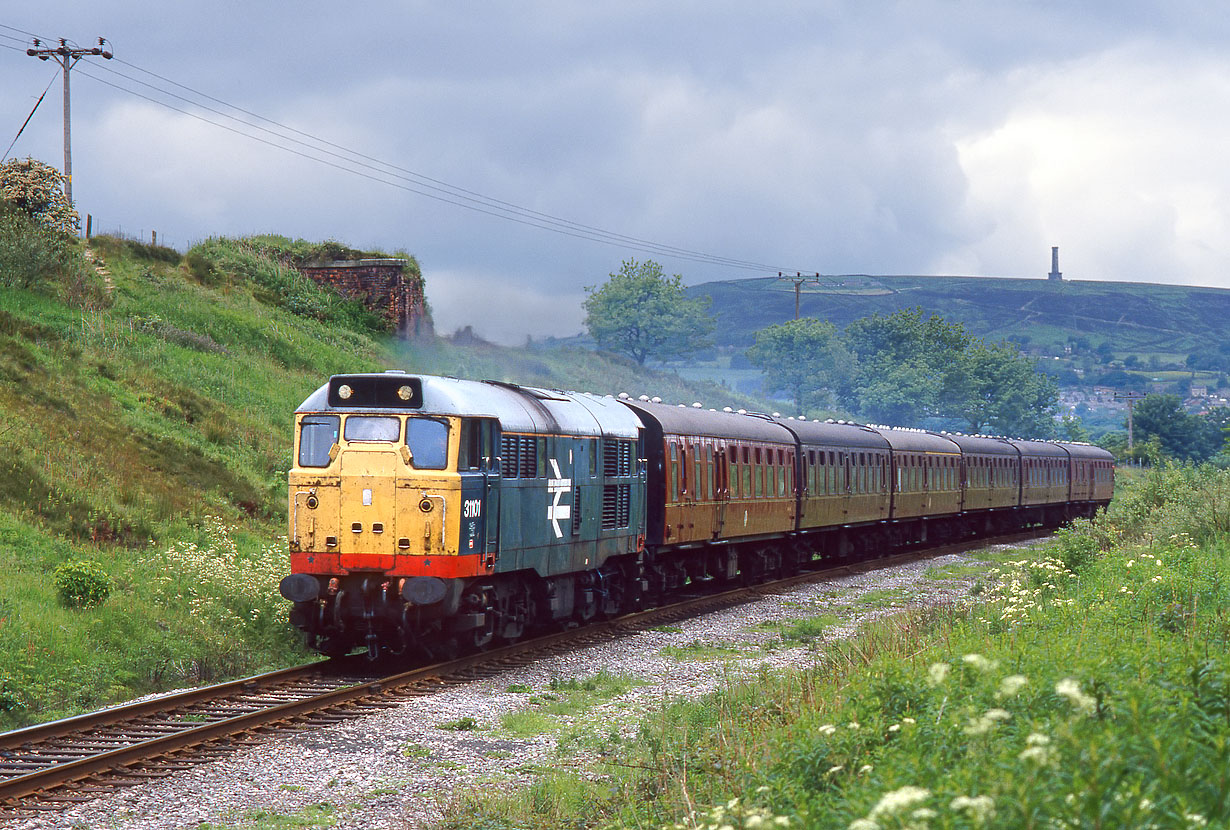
(145, 426)
(1087, 687)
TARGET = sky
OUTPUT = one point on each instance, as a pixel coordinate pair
(724, 140)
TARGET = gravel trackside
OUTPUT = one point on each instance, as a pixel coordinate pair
(397, 768)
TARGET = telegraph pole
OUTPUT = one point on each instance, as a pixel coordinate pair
(1131, 398)
(67, 56)
(798, 280)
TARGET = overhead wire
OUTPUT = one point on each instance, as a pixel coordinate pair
(347, 160)
(424, 180)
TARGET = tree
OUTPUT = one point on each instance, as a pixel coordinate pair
(993, 387)
(37, 189)
(803, 358)
(912, 367)
(903, 365)
(1183, 436)
(643, 313)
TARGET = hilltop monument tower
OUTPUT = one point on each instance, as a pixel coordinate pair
(1055, 274)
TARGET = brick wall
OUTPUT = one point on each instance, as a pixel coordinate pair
(382, 286)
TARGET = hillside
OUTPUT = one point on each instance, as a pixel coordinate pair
(145, 425)
(1132, 317)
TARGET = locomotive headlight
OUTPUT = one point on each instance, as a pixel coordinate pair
(312, 502)
(405, 393)
(344, 392)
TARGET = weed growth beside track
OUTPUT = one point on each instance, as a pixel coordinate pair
(1088, 687)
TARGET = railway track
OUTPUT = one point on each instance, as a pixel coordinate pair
(50, 766)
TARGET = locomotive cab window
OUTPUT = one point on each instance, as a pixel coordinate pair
(427, 439)
(372, 428)
(317, 435)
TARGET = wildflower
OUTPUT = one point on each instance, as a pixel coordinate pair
(782, 821)
(827, 729)
(1145, 805)
(984, 723)
(1037, 739)
(836, 769)
(863, 824)
(865, 768)
(937, 673)
(1195, 819)
(978, 662)
(1070, 689)
(981, 808)
(1011, 685)
(896, 727)
(924, 814)
(854, 725)
(909, 721)
(898, 800)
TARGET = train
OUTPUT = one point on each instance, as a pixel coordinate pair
(433, 514)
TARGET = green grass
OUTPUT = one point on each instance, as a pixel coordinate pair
(702, 651)
(148, 430)
(1088, 689)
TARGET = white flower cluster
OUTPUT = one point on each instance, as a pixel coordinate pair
(735, 815)
(217, 583)
(894, 804)
(1081, 702)
(1023, 586)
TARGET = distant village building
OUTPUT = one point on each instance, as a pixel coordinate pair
(383, 287)
(1200, 391)
(1055, 274)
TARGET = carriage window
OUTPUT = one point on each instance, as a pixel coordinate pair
(317, 435)
(372, 428)
(427, 439)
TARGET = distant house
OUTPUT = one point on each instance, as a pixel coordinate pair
(1200, 392)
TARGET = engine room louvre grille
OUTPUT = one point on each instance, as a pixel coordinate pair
(576, 511)
(508, 455)
(617, 458)
(616, 505)
(528, 468)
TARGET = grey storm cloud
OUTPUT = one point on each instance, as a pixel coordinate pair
(840, 137)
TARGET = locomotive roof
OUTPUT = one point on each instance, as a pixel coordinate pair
(517, 408)
(843, 435)
(687, 420)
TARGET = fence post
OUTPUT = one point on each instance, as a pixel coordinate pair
(89, 225)
(155, 239)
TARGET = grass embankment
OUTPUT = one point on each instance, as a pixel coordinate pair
(146, 427)
(1089, 687)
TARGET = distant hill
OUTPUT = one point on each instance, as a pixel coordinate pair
(1132, 317)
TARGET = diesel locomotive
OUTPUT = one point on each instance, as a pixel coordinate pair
(429, 514)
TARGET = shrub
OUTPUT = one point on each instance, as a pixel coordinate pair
(9, 699)
(81, 584)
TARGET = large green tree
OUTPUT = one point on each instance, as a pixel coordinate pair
(911, 366)
(994, 388)
(904, 365)
(1181, 435)
(645, 314)
(804, 358)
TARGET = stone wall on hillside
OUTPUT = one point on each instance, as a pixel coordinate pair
(383, 286)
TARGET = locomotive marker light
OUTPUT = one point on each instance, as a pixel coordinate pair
(344, 392)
